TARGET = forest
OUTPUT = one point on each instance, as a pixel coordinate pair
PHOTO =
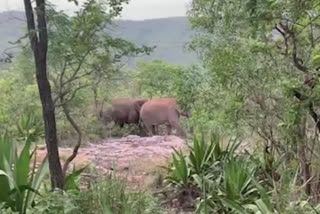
(243, 107)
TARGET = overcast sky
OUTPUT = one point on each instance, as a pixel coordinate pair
(137, 9)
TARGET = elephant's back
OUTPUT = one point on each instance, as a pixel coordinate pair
(165, 101)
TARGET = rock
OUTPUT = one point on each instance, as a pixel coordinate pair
(133, 156)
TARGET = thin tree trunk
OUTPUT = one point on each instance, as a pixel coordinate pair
(39, 45)
(77, 129)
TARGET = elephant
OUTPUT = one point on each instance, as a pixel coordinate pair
(123, 111)
(159, 111)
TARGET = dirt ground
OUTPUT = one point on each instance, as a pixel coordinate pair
(139, 159)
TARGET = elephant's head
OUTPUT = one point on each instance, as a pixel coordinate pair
(106, 117)
(138, 104)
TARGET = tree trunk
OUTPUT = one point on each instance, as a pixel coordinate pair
(39, 45)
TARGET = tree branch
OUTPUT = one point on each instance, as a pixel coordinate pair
(297, 61)
(312, 112)
(77, 129)
(285, 39)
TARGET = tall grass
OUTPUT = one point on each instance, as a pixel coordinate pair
(109, 196)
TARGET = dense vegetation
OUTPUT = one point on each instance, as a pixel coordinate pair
(258, 82)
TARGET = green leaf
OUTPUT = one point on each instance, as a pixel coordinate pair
(233, 205)
(316, 60)
(21, 168)
(36, 180)
(3, 173)
(6, 154)
(263, 207)
(71, 179)
(106, 209)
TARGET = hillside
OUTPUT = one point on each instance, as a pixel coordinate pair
(169, 35)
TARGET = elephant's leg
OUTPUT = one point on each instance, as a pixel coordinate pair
(180, 130)
(141, 129)
(116, 123)
(155, 130)
(169, 129)
(175, 124)
(149, 129)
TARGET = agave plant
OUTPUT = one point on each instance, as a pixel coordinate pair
(238, 176)
(205, 156)
(19, 184)
(30, 126)
(179, 172)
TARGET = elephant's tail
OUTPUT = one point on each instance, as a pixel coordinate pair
(178, 113)
(141, 124)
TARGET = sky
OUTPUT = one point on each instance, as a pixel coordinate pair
(136, 10)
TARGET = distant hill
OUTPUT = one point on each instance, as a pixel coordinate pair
(169, 35)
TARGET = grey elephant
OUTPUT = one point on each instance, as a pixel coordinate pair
(123, 111)
(159, 111)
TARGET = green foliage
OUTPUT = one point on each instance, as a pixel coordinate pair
(226, 180)
(230, 182)
(160, 79)
(157, 78)
(56, 202)
(262, 58)
(5, 210)
(19, 95)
